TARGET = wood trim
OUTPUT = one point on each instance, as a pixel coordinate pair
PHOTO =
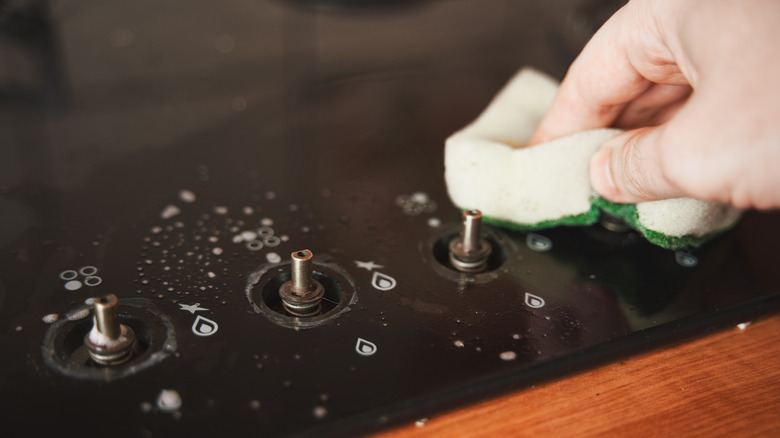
(725, 384)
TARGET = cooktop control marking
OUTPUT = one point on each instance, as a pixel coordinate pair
(365, 348)
(534, 301)
(382, 281)
(370, 265)
(204, 326)
(72, 282)
(192, 308)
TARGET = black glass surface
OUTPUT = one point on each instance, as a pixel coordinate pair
(189, 147)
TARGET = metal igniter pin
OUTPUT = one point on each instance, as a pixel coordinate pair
(109, 342)
(302, 295)
(469, 252)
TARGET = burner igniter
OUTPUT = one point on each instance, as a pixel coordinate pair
(109, 342)
(469, 252)
(302, 295)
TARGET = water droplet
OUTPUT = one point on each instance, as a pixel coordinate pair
(508, 355)
(187, 196)
(685, 259)
(169, 211)
(169, 400)
(458, 343)
(320, 412)
(538, 243)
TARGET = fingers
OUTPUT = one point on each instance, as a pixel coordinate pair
(629, 168)
(627, 59)
(656, 106)
(598, 85)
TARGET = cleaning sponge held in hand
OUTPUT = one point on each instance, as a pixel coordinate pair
(488, 167)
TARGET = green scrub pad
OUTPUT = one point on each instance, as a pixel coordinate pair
(546, 185)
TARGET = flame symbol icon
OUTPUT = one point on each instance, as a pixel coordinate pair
(382, 281)
(365, 348)
(534, 301)
(204, 326)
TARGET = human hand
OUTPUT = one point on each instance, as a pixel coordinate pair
(697, 85)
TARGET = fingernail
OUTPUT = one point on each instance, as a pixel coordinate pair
(601, 173)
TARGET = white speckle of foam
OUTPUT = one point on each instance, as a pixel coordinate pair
(421, 422)
(78, 314)
(169, 211)
(458, 343)
(238, 238)
(320, 412)
(217, 251)
(98, 338)
(221, 210)
(284, 238)
(508, 355)
(156, 230)
(249, 211)
(254, 404)
(19, 328)
(211, 274)
(146, 407)
(187, 196)
(270, 195)
(169, 400)
(434, 222)
(249, 235)
(266, 221)
(273, 257)
(50, 318)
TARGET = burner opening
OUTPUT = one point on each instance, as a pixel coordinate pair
(264, 286)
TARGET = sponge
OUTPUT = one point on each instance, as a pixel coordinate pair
(489, 167)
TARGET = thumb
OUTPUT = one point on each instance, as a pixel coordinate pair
(629, 169)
